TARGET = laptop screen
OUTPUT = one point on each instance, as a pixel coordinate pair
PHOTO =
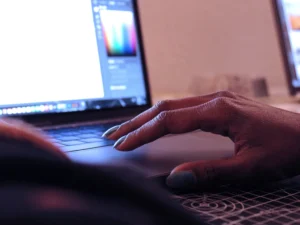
(289, 15)
(61, 56)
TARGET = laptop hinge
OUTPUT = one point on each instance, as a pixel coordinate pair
(49, 125)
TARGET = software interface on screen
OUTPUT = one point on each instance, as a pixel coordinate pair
(290, 18)
(66, 55)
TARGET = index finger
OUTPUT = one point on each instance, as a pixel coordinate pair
(214, 116)
(168, 105)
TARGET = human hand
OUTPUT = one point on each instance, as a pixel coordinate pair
(16, 131)
(266, 139)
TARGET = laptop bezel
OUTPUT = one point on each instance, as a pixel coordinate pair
(284, 47)
(109, 113)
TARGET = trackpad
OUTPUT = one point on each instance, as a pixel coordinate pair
(161, 156)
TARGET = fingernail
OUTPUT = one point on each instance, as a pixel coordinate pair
(120, 141)
(182, 180)
(110, 131)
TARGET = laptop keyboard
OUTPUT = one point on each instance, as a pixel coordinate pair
(276, 204)
(81, 137)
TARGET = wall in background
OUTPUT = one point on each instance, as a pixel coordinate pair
(185, 39)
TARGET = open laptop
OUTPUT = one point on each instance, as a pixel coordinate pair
(69, 62)
(77, 68)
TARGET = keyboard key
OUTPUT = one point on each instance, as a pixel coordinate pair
(59, 144)
(57, 132)
(71, 143)
(67, 138)
(88, 136)
(89, 140)
(52, 140)
(89, 131)
(56, 136)
(87, 146)
(71, 133)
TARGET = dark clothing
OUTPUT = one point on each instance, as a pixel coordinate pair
(38, 188)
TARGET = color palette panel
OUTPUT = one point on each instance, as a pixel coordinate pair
(119, 32)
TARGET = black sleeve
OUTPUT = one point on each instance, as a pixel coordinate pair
(13, 148)
(37, 186)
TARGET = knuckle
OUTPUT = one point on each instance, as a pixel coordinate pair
(162, 117)
(135, 134)
(226, 107)
(227, 94)
(221, 101)
(162, 122)
(162, 105)
(127, 125)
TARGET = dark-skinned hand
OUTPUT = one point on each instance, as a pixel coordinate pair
(267, 139)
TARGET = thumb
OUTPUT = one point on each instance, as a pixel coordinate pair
(202, 174)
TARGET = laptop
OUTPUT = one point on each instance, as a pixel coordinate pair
(77, 68)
